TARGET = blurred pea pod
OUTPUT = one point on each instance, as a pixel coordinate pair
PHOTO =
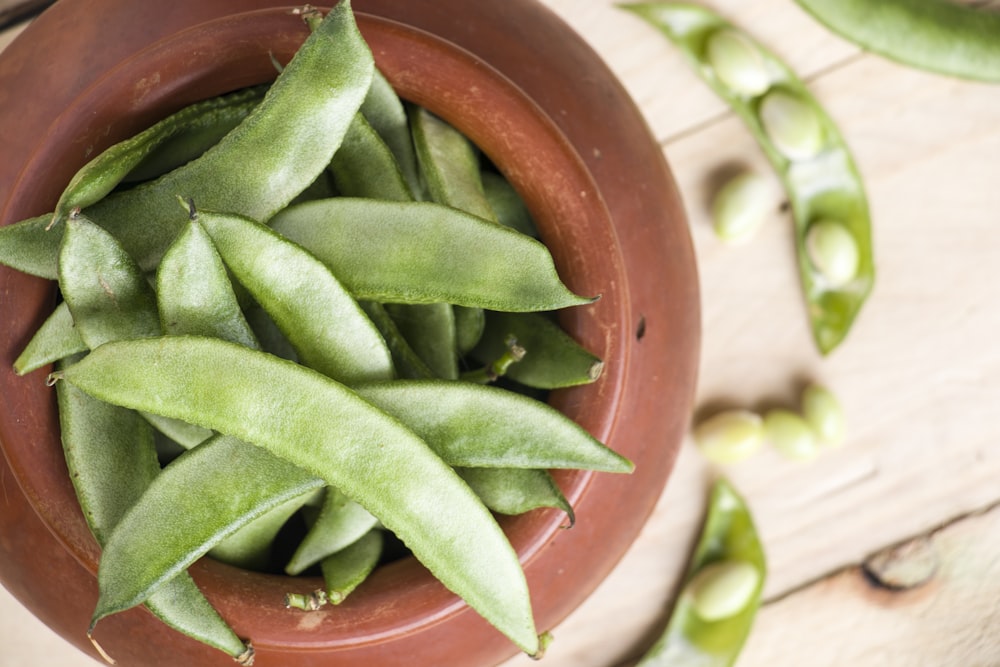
(715, 611)
(806, 149)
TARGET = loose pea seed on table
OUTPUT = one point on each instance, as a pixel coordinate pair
(237, 330)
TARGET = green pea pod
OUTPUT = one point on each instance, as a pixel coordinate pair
(340, 523)
(516, 490)
(510, 209)
(407, 362)
(426, 253)
(475, 426)
(101, 175)
(727, 535)
(364, 166)
(194, 294)
(111, 460)
(940, 36)
(267, 332)
(110, 299)
(385, 112)
(323, 322)
(323, 427)
(449, 164)
(470, 323)
(431, 333)
(552, 358)
(256, 170)
(28, 246)
(56, 339)
(802, 143)
(251, 546)
(348, 568)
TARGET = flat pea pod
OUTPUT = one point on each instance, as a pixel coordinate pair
(552, 359)
(111, 459)
(449, 164)
(407, 362)
(279, 149)
(56, 339)
(475, 426)
(516, 490)
(340, 523)
(102, 174)
(422, 252)
(386, 113)
(728, 536)
(326, 326)
(506, 203)
(345, 570)
(323, 427)
(470, 323)
(939, 36)
(431, 333)
(29, 247)
(364, 165)
(251, 546)
(806, 149)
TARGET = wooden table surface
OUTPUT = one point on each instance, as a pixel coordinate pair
(916, 487)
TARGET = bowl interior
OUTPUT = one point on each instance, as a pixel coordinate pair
(233, 52)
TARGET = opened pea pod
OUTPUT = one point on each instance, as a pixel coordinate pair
(824, 187)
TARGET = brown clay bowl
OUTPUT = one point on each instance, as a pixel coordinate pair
(581, 156)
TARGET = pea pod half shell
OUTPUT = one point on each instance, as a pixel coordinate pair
(802, 143)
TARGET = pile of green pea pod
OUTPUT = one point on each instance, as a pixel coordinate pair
(330, 275)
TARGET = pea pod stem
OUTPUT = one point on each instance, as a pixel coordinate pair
(513, 353)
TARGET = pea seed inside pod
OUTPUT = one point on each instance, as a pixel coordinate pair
(723, 589)
(737, 62)
(833, 252)
(792, 125)
(790, 434)
(730, 436)
(740, 207)
(823, 412)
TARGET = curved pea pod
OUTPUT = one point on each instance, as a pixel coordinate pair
(728, 536)
(421, 252)
(552, 359)
(506, 203)
(325, 325)
(279, 149)
(407, 362)
(475, 426)
(340, 523)
(194, 127)
(345, 570)
(799, 139)
(111, 460)
(470, 323)
(364, 166)
(516, 490)
(56, 339)
(194, 294)
(430, 331)
(940, 36)
(251, 546)
(315, 423)
(29, 247)
(386, 113)
(449, 164)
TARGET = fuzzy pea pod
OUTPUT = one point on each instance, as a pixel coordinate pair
(728, 538)
(430, 331)
(340, 523)
(940, 36)
(506, 203)
(348, 568)
(421, 252)
(204, 123)
(516, 490)
(407, 362)
(278, 150)
(386, 113)
(56, 339)
(364, 165)
(323, 427)
(111, 459)
(327, 327)
(799, 139)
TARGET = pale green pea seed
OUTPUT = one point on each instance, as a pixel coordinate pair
(730, 436)
(823, 412)
(740, 207)
(833, 252)
(790, 434)
(737, 62)
(723, 589)
(792, 125)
